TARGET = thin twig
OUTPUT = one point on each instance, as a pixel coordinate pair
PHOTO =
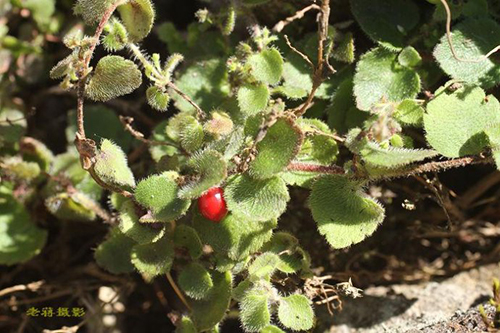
(127, 124)
(201, 113)
(450, 40)
(305, 57)
(33, 286)
(297, 16)
(178, 291)
(319, 71)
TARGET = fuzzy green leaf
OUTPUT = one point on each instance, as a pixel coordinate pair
(36, 151)
(11, 132)
(295, 312)
(111, 166)
(387, 22)
(344, 50)
(253, 98)
(131, 227)
(241, 289)
(254, 310)
(159, 193)
(154, 258)
(345, 216)
(211, 169)
(234, 237)
(272, 329)
(456, 120)
(195, 281)
(114, 253)
(410, 113)
(16, 167)
(472, 38)
(267, 66)
(259, 200)
(116, 37)
(75, 206)
(185, 236)
(20, 238)
(280, 145)
(379, 77)
(292, 257)
(319, 146)
(220, 124)
(186, 325)
(409, 57)
(114, 76)
(391, 157)
(157, 99)
(92, 10)
(209, 312)
(138, 17)
(264, 265)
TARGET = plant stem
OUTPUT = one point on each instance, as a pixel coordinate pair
(307, 167)
(178, 291)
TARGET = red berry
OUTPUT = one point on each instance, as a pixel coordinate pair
(212, 204)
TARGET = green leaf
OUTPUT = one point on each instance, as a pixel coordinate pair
(295, 312)
(41, 10)
(75, 206)
(379, 77)
(209, 312)
(410, 113)
(111, 166)
(259, 200)
(11, 132)
(472, 39)
(220, 124)
(319, 146)
(93, 10)
(114, 76)
(195, 281)
(114, 253)
(253, 98)
(36, 151)
(159, 193)
(186, 325)
(344, 51)
(153, 259)
(387, 22)
(264, 265)
(456, 120)
(20, 238)
(16, 167)
(271, 329)
(116, 37)
(254, 2)
(138, 17)
(206, 82)
(391, 157)
(254, 310)
(234, 237)
(157, 98)
(186, 129)
(267, 66)
(345, 216)
(131, 227)
(409, 57)
(185, 236)
(241, 289)
(211, 169)
(292, 257)
(280, 145)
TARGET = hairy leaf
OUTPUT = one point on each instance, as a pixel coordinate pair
(264, 265)
(154, 258)
(114, 76)
(159, 193)
(185, 236)
(456, 120)
(410, 113)
(157, 98)
(138, 17)
(259, 200)
(111, 166)
(379, 77)
(253, 98)
(472, 38)
(295, 312)
(196, 281)
(93, 10)
(114, 253)
(254, 310)
(280, 145)
(267, 66)
(211, 169)
(345, 216)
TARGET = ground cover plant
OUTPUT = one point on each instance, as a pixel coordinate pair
(248, 115)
